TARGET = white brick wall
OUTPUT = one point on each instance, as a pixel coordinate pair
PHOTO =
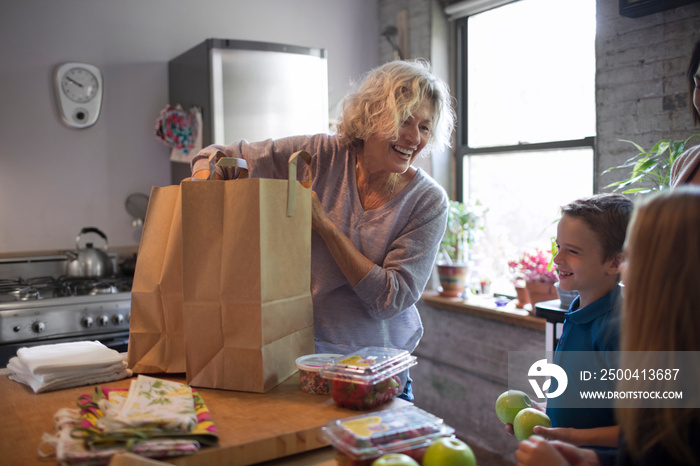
(641, 88)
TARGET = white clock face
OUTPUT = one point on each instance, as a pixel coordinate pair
(78, 89)
(79, 85)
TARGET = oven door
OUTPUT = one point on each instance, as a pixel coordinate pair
(118, 341)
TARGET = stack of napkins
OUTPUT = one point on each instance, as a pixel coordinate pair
(65, 365)
(151, 404)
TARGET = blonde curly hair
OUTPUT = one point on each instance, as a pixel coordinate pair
(387, 96)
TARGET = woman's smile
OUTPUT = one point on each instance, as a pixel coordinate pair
(404, 152)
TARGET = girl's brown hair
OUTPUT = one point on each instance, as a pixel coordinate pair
(660, 308)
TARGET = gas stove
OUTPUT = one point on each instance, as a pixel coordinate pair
(41, 305)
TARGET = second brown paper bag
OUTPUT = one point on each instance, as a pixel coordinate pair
(156, 338)
(248, 311)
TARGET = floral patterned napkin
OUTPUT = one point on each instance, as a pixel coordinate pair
(155, 402)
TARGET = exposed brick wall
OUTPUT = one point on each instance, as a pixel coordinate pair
(641, 87)
(419, 27)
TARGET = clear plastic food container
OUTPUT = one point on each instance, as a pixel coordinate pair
(359, 440)
(368, 378)
(309, 367)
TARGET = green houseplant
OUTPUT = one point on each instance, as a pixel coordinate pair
(649, 168)
(464, 220)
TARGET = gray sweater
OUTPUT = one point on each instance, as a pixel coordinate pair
(401, 237)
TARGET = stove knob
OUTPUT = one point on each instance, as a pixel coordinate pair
(38, 327)
(117, 319)
(86, 321)
(103, 321)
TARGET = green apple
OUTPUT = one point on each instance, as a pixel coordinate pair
(395, 459)
(449, 451)
(509, 404)
(526, 420)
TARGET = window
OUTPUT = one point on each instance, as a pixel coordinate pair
(526, 103)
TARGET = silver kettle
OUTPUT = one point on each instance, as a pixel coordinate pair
(89, 261)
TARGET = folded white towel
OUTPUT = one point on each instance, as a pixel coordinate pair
(69, 382)
(16, 366)
(67, 357)
(64, 365)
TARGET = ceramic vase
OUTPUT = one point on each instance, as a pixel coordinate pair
(539, 292)
(453, 280)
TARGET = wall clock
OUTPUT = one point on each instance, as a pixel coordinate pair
(78, 88)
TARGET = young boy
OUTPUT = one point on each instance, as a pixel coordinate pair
(590, 240)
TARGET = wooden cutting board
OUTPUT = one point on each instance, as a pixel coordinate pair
(252, 427)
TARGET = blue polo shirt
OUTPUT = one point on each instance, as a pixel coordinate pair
(596, 329)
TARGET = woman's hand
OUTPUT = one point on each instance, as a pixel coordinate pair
(204, 175)
(537, 451)
(319, 219)
(201, 174)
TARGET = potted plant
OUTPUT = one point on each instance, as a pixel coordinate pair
(536, 269)
(464, 220)
(651, 169)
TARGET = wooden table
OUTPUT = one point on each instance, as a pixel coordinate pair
(252, 427)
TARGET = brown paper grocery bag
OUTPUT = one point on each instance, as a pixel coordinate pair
(248, 311)
(156, 339)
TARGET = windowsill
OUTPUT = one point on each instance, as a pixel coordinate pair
(486, 308)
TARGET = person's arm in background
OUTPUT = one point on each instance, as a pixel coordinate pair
(268, 158)
(599, 436)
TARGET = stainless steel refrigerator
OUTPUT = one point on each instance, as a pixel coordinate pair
(250, 90)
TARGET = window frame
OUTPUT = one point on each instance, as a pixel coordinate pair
(462, 148)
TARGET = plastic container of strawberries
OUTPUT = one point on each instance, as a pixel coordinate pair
(369, 377)
(360, 440)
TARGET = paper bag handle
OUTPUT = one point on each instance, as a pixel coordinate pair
(219, 159)
(293, 160)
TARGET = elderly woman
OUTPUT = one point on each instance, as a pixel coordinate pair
(377, 221)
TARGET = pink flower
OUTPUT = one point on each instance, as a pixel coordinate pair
(534, 266)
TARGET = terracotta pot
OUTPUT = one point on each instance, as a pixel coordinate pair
(539, 292)
(523, 297)
(453, 280)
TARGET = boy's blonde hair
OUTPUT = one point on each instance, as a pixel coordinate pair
(388, 96)
(607, 215)
(660, 309)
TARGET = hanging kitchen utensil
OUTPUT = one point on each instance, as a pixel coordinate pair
(136, 205)
(89, 261)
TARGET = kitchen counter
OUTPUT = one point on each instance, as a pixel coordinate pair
(252, 427)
